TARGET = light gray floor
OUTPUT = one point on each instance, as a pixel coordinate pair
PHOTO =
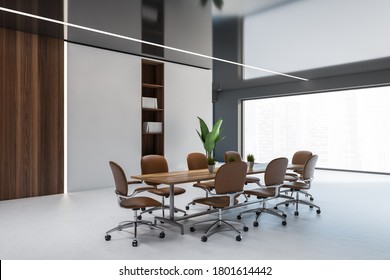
(354, 224)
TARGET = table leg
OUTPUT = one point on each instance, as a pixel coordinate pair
(171, 219)
(171, 202)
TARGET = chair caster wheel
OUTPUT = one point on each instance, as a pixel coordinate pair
(311, 206)
(276, 207)
(311, 198)
(258, 213)
(284, 215)
(162, 235)
(192, 229)
(107, 237)
(238, 237)
(135, 243)
(296, 213)
(187, 207)
(139, 217)
(284, 223)
(239, 217)
(176, 211)
(245, 228)
(286, 204)
(204, 238)
(143, 209)
(255, 224)
(318, 211)
(150, 212)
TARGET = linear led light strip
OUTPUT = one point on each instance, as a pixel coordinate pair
(146, 42)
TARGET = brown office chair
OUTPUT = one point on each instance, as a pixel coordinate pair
(229, 184)
(131, 202)
(196, 161)
(273, 178)
(302, 185)
(235, 156)
(299, 158)
(158, 164)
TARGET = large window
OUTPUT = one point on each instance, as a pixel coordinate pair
(347, 129)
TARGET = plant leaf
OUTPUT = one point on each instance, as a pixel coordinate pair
(213, 136)
(203, 129)
(218, 4)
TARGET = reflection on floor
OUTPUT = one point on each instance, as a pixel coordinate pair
(353, 225)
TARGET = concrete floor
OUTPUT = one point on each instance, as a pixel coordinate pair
(354, 225)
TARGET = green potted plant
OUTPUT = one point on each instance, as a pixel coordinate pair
(210, 138)
(250, 158)
(211, 164)
(231, 159)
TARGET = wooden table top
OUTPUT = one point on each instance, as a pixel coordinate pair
(188, 176)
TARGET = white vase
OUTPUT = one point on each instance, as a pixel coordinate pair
(211, 168)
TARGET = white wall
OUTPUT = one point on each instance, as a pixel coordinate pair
(104, 115)
(187, 95)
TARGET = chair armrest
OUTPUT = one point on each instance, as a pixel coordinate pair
(134, 182)
(277, 188)
(141, 189)
(231, 196)
(202, 186)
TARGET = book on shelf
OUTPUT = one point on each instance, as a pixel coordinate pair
(152, 127)
(149, 103)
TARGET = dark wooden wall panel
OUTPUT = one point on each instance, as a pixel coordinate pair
(32, 100)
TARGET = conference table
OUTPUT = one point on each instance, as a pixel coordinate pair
(190, 176)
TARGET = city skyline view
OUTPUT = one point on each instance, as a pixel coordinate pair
(348, 129)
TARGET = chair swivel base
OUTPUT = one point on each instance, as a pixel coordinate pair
(194, 203)
(284, 194)
(216, 227)
(259, 211)
(134, 224)
(296, 202)
(150, 211)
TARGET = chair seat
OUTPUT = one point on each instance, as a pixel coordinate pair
(296, 185)
(261, 192)
(139, 202)
(251, 179)
(291, 177)
(165, 191)
(145, 188)
(208, 185)
(215, 201)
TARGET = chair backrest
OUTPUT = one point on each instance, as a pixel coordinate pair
(308, 169)
(275, 171)
(120, 179)
(233, 154)
(196, 161)
(300, 157)
(153, 164)
(230, 177)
